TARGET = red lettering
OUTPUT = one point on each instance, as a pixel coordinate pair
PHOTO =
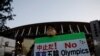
(70, 45)
(39, 47)
(51, 46)
(45, 47)
(74, 45)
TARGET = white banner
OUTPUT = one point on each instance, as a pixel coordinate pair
(74, 45)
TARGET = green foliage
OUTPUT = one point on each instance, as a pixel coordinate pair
(5, 12)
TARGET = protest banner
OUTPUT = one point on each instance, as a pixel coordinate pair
(62, 45)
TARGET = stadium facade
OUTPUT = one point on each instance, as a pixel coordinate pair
(39, 29)
(29, 32)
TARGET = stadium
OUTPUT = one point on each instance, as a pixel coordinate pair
(27, 33)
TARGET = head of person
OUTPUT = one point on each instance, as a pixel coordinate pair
(51, 31)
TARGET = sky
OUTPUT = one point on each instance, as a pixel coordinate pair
(40, 11)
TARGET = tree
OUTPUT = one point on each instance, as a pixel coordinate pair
(5, 13)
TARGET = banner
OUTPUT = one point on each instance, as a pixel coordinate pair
(62, 45)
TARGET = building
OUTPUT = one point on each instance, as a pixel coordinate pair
(7, 45)
(26, 34)
(95, 27)
(39, 29)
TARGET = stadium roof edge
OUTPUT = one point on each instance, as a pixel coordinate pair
(49, 23)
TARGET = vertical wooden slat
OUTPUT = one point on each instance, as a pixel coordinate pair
(70, 29)
(37, 30)
(78, 28)
(45, 30)
(22, 32)
(29, 31)
(62, 30)
(16, 33)
(86, 29)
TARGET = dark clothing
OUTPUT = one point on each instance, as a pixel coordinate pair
(7, 54)
(31, 51)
